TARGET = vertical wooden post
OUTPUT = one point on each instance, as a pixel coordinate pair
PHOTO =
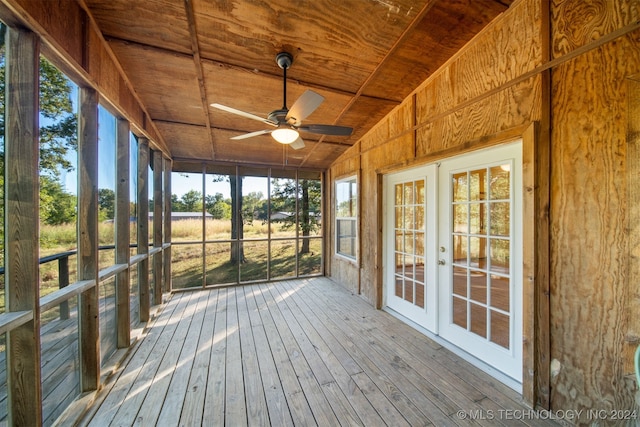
(167, 225)
(541, 383)
(143, 227)
(88, 238)
(123, 311)
(63, 282)
(21, 226)
(157, 226)
(204, 226)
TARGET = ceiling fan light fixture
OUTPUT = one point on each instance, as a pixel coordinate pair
(285, 135)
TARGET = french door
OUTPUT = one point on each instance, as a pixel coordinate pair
(453, 252)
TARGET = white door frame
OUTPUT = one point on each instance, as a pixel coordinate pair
(437, 328)
(427, 317)
(510, 360)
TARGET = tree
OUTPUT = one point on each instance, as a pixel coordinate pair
(56, 205)
(176, 204)
(107, 203)
(57, 137)
(217, 206)
(254, 206)
(237, 224)
(58, 133)
(308, 193)
(192, 201)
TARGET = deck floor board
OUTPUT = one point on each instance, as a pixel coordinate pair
(296, 352)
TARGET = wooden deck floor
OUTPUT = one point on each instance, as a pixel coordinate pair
(303, 352)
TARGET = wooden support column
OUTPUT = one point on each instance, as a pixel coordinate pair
(21, 226)
(167, 225)
(88, 238)
(123, 311)
(143, 227)
(157, 226)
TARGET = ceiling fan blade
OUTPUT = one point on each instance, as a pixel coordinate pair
(252, 134)
(304, 106)
(327, 129)
(242, 113)
(297, 144)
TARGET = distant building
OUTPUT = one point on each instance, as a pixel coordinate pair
(281, 216)
(178, 216)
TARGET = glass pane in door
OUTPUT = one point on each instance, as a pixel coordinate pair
(481, 206)
(409, 242)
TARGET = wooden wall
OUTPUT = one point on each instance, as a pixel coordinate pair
(591, 290)
(569, 67)
(479, 93)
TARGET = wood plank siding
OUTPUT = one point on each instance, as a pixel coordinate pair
(303, 352)
(564, 72)
(423, 83)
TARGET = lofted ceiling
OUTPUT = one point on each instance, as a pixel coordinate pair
(363, 56)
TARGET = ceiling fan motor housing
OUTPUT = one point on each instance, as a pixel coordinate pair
(278, 116)
(284, 60)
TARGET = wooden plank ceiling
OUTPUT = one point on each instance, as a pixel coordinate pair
(363, 56)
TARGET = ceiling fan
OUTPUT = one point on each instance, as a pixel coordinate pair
(288, 122)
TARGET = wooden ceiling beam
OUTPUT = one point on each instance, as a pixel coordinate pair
(195, 47)
(278, 77)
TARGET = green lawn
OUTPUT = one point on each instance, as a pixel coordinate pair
(187, 260)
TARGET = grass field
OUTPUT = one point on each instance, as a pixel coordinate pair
(187, 264)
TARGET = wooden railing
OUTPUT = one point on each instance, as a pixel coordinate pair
(63, 274)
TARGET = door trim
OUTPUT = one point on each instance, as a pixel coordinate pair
(510, 358)
(536, 354)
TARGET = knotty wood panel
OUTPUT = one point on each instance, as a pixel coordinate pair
(189, 141)
(477, 98)
(159, 23)
(364, 114)
(516, 105)
(508, 48)
(360, 33)
(320, 155)
(396, 151)
(397, 122)
(577, 23)
(589, 226)
(23, 380)
(178, 97)
(407, 63)
(345, 167)
(261, 93)
(379, 134)
(633, 188)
